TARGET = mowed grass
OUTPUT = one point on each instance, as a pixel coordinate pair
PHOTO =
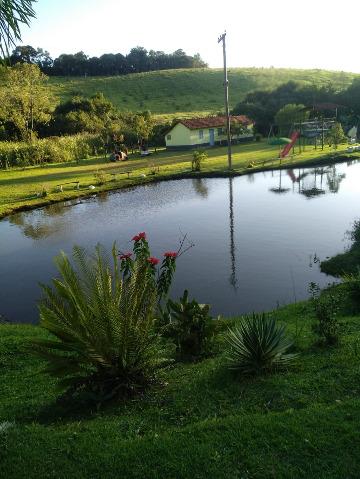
(202, 422)
(18, 187)
(195, 91)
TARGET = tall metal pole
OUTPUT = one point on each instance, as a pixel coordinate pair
(226, 88)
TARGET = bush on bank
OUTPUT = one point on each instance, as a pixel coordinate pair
(50, 150)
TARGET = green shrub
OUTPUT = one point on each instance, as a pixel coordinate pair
(326, 306)
(102, 321)
(187, 324)
(257, 344)
(50, 150)
(100, 177)
(198, 158)
(352, 282)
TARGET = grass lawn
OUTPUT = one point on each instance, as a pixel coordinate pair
(203, 422)
(18, 187)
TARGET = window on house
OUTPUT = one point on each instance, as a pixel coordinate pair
(168, 137)
(201, 134)
(219, 131)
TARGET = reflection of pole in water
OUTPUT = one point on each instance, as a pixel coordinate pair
(232, 278)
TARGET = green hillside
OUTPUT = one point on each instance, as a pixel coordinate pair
(191, 90)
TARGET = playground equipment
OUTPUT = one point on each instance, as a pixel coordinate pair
(281, 142)
(308, 131)
(288, 143)
(315, 128)
(286, 150)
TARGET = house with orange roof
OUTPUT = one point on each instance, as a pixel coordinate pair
(209, 131)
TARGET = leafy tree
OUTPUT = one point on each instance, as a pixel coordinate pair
(73, 64)
(259, 114)
(237, 129)
(26, 102)
(28, 54)
(137, 59)
(198, 62)
(336, 135)
(13, 13)
(95, 115)
(157, 137)
(139, 126)
(289, 114)
(23, 54)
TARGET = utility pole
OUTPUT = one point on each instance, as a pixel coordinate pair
(226, 87)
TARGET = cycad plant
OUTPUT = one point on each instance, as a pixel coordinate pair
(102, 318)
(257, 344)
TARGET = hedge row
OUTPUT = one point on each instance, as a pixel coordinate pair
(50, 150)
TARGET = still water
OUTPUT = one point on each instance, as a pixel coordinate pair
(258, 239)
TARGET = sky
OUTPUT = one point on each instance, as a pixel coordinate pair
(263, 33)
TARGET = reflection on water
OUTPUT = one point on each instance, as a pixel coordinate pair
(279, 189)
(232, 278)
(253, 249)
(200, 187)
(311, 182)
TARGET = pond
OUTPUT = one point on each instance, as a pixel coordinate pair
(258, 239)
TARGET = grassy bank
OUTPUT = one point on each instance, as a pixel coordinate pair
(191, 90)
(202, 422)
(19, 187)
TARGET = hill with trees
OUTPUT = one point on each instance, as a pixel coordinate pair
(191, 90)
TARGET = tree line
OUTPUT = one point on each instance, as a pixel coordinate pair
(79, 64)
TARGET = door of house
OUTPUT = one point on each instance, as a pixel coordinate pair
(212, 137)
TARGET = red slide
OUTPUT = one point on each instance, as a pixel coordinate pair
(288, 147)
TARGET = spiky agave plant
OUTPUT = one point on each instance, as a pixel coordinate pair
(257, 344)
(103, 324)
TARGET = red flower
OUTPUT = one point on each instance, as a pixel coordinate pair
(125, 256)
(139, 236)
(153, 261)
(170, 254)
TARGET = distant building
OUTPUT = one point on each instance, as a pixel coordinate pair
(210, 131)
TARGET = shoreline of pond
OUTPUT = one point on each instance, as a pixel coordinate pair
(327, 159)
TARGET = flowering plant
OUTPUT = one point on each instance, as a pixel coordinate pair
(162, 272)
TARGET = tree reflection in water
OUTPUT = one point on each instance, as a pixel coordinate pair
(334, 179)
(200, 187)
(36, 226)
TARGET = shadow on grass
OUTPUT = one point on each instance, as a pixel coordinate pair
(67, 409)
